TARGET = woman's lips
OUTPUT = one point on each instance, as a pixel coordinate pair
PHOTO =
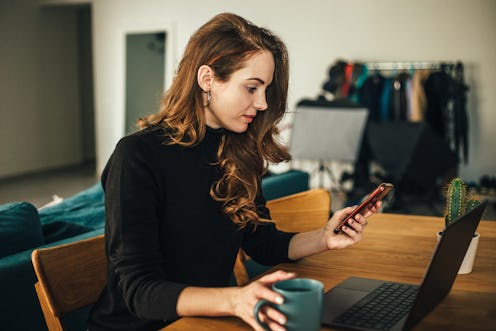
(249, 118)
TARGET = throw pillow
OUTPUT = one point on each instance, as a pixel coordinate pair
(20, 228)
(85, 208)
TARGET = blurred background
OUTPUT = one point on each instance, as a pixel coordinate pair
(74, 75)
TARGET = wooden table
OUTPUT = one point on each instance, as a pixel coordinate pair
(398, 248)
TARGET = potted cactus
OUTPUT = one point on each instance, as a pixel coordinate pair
(458, 203)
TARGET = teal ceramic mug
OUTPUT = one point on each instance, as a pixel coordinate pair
(302, 304)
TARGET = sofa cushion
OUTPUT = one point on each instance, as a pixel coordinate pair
(20, 228)
(84, 209)
(58, 230)
(279, 185)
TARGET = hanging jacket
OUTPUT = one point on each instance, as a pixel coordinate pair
(418, 99)
(446, 110)
(369, 95)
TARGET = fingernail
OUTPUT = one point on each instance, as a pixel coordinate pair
(279, 300)
(282, 321)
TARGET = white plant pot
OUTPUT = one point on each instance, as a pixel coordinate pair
(468, 260)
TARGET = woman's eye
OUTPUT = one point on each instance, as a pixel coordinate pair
(252, 89)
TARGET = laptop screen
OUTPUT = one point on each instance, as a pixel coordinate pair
(444, 265)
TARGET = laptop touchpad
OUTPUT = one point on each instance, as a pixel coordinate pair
(338, 300)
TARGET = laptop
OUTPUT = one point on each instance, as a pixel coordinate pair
(352, 303)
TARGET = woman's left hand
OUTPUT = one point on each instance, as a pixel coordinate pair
(351, 232)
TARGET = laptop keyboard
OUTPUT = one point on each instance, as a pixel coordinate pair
(380, 309)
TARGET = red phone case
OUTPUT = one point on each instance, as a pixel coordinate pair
(377, 195)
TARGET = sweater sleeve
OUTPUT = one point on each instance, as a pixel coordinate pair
(132, 199)
(264, 242)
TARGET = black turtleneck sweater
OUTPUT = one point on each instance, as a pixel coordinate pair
(164, 232)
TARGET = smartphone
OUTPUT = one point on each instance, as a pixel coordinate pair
(377, 195)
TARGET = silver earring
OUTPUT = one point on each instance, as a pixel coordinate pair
(209, 98)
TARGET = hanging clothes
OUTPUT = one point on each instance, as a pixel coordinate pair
(460, 127)
(369, 95)
(398, 101)
(437, 90)
(429, 92)
(418, 100)
(384, 115)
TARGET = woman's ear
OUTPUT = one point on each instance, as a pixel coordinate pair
(205, 77)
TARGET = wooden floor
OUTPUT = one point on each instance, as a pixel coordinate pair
(39, 188)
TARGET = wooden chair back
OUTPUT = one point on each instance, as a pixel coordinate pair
(70, 277)
(300, 212)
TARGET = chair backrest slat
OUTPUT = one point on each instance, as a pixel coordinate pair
(301, 212)
(70, 276)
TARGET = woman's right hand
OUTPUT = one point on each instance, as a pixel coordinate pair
(245, 299)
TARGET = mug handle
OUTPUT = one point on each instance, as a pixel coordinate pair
(257, 308)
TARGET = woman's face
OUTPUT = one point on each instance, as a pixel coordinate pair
(235, 103)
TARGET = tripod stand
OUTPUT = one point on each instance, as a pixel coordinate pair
(321, 170)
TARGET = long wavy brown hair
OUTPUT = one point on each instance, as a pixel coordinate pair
(225, 43)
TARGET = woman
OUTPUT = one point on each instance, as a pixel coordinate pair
(184, 193)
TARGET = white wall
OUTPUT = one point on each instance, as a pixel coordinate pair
(39, 99)
(317, 33)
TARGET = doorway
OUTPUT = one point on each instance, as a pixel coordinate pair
(145, 68)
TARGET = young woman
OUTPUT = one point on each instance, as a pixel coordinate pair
(183, 194)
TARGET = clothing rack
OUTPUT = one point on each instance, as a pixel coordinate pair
(407, 65)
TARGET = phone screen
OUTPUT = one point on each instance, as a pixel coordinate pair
(377, 195)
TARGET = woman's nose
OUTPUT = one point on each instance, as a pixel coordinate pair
(261, 103)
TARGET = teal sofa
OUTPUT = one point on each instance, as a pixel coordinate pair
(76, 218)
(23, 228)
